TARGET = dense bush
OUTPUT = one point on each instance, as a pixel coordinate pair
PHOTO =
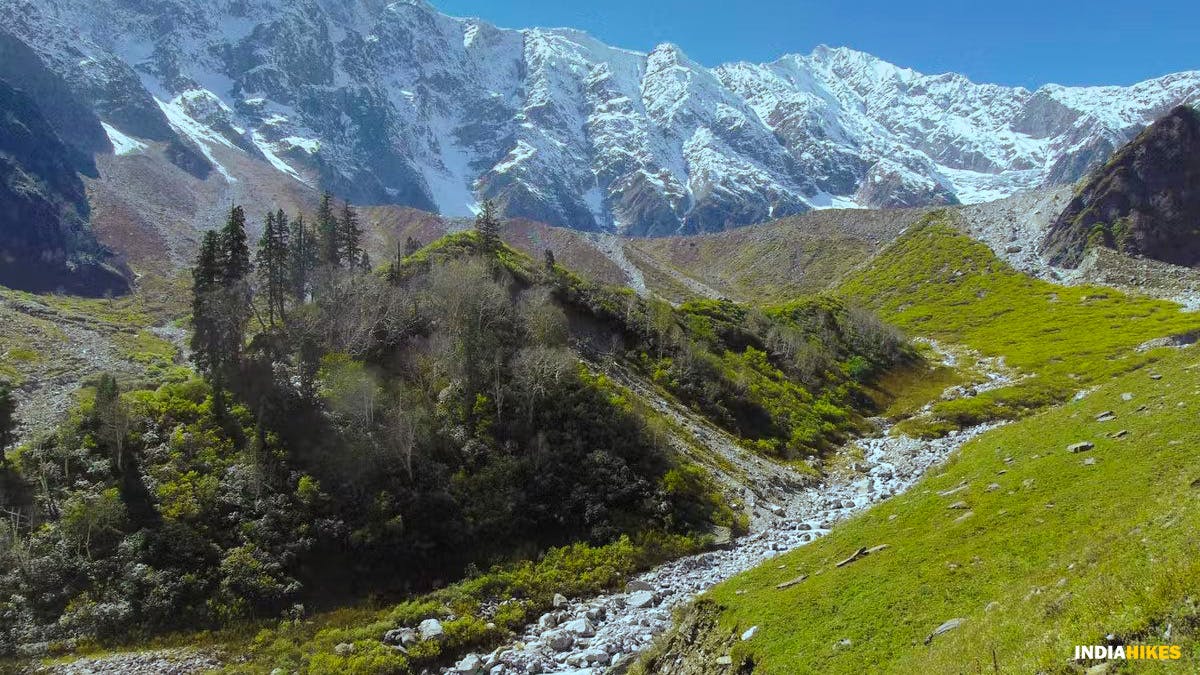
(391, 433)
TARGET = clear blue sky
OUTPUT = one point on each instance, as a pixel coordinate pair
(1013, 42)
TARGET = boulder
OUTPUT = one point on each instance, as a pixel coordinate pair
(750, 632)
(642, 599)
(343, 649)
(560, 641)
(431, 629)
(958, 505)
(599, 656)
(944, 628)
(637, 585)
(400, 636)
(560, 601)
(580, 627)
(471, 664)
(1082, 446)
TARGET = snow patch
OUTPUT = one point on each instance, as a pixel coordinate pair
(199, 134)
(122, 144)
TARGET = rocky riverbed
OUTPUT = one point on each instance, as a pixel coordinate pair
(593, 635)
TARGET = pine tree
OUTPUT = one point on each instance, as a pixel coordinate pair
(327, 231)
(234, 250)
(302, 258)
(487, 224)
(411, 246)
(272, 260)
(365, 262)
(206, 277)
(549, 256)
(349, 237)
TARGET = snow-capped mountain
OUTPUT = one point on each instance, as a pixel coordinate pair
(394, 102)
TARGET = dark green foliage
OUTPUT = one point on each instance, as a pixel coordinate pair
(206, 338)
(221, 299)
(302, 259)
(235, 253)
(273, 263)
(487, 225)
(381, 439)
(548, 256)
(349, 238)
(329, 250)
(8, 417)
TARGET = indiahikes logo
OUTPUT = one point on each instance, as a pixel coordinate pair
(1128, 652)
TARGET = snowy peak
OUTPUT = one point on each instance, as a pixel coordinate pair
(395, 102)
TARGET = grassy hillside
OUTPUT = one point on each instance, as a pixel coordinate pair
(1070, 547)
(772, 262)
(936, 282)
(1034, 547)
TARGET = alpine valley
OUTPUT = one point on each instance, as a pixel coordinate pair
(346, 336)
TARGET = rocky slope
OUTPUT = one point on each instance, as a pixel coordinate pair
(394, 102)
(45, 242)
(1145, 200)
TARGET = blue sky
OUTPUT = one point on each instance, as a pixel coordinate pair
(1013, 42)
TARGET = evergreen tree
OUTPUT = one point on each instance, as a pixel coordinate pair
(365, 262)
(8, 417)
(302, 258)
(221, 301)
(111, 419)
(234, 249)
(411, 246)
(272, 260)
(206, 277)
(487, 224)
(549, 256)
(327, 232)
(350, 249)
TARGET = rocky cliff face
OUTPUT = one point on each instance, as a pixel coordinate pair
(1145, 200)
(396, 103)
(45, 243)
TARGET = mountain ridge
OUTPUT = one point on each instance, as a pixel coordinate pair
(437, 112)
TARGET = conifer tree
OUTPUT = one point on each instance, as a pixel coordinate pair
(327, 232)
(549, 256)
(349, 237)
(302, 258)
(411, 246)
(206, 277)
(272, 260)
(235, 251)
(487, 224)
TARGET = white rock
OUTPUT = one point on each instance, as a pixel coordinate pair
(431, 629)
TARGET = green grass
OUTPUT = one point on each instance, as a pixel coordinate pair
(938, 283)
(1070, 552)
